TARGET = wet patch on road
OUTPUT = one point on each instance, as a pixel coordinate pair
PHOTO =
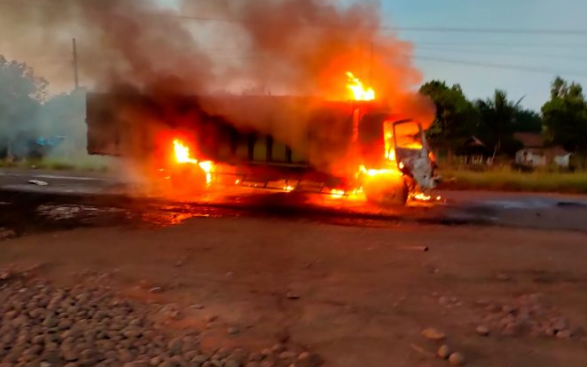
(32, 212)
(29, 212)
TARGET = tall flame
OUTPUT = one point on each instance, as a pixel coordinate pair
(182, 155)
(207, 167)
(359, 92)
(388, 139)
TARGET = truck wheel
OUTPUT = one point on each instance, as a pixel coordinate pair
(188, 178)
(386, 191)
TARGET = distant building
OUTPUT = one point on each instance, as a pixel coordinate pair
(474, 151)
(536, 154)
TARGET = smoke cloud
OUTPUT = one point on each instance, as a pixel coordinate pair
(286, 47)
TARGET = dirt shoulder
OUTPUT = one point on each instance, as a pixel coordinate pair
(357, 296)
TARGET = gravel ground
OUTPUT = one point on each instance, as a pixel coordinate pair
(355, 295)
(527, 315)
(46, 326)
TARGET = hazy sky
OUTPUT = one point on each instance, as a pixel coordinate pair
(448, 56)
(523, 64)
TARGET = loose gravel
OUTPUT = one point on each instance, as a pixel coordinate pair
(46, 326)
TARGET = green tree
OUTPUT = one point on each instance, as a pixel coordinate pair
(565, 116)
(456, 117)
(527, 121)
(21, 94)
(498, 121)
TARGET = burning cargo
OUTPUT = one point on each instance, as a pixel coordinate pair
(339, 148)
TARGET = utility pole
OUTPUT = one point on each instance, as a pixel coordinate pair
(75, 72)
(371, 55)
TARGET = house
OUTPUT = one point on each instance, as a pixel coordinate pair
(474, 151)
(537, 154)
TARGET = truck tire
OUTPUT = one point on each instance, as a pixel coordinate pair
(386, 191)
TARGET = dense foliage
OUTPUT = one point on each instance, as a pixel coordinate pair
(495, 120)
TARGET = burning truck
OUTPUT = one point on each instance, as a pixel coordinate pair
(358, 148)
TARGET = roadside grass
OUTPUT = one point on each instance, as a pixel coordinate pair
(505, 179)
(500, 178)
(83, 164)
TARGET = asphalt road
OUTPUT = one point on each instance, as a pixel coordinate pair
(545, 211)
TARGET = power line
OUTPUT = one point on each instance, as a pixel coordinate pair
(75, 64)
(530, 69)
(534, 31)
(420, 57)
(499, 66)
(537, 31)
(494, 52)
(24, 3)
(426, 29)
(500, 44)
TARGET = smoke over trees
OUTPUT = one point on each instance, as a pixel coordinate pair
(28, 116)
(289, 46)
(21, 94)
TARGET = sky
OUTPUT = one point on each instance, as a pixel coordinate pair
(450, 56)
(522, 64)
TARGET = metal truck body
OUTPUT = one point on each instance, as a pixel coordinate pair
(309, 144)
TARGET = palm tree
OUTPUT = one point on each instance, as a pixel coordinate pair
(498, 116)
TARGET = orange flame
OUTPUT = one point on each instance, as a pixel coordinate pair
(388, 139)
(359, 92)
(424, 197)
(182, 155)
(288, 188)
(207, 167)
(337, 194)
(377, 172)
(414, 145)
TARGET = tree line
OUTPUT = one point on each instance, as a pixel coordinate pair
(30, 119)
(562, 120)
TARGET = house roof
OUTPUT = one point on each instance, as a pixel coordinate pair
(473, 141)
(530, 140)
